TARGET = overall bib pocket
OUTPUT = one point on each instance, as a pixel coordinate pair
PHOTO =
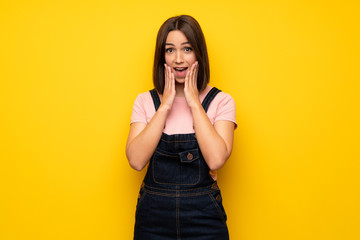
(176, 168)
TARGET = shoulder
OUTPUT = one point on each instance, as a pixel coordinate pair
(143, 97)
(223, 98)
(144, 100)
(222, 108)
(143, 108)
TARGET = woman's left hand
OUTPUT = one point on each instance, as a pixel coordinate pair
(215, 141)
(190, 89)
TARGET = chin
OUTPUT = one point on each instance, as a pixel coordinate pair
(180, 80)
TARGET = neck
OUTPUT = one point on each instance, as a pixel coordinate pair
(179, 88)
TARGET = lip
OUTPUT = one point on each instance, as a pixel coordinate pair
(180, 72)
(180, 68)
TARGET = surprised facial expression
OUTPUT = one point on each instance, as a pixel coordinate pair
(179, 54)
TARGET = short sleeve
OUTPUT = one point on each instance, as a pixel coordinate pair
(138, 111)
(226, 109)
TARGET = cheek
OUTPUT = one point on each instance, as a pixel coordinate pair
(191, 59)
(167, 60)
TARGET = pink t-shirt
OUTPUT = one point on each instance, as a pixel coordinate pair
(179, 119)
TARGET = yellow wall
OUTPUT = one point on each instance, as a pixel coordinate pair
(70, 71)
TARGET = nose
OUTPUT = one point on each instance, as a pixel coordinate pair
(179, 57)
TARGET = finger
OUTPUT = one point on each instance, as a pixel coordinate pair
(172, 81)
(196, 72)
(193, 74)
(189, 74)
(165, 73)
(196, 68)
(187, 78)
(168, 75)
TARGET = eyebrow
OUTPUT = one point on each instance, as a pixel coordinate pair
(171, 44)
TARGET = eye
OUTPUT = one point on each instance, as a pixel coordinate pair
(188, 49)
(169, 50)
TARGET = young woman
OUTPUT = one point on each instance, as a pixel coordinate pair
(183, 131)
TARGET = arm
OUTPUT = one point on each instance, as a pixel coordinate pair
(216, 141)
(144, 138)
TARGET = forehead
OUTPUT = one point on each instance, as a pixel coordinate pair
(176, 37)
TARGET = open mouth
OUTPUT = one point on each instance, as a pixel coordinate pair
(180, 69)
(180, 72)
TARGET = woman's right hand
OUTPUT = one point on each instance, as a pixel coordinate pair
(143, 138)
(169, 89)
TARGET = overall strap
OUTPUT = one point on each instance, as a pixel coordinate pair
(205, 103)
(155, 98)
(209, 97)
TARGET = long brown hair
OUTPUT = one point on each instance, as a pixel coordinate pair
(192, 30)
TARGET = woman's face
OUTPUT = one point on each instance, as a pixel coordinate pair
(179, 54)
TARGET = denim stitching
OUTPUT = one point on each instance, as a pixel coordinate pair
(195, 152)
(218, 208)
(181, 184)
(141, 199)
(178, 194)
(177, 141)
(177, 217)
(166, 154)
(192, 189)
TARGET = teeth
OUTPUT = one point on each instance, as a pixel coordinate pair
(180, 69)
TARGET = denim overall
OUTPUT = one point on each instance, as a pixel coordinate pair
(178, 198)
